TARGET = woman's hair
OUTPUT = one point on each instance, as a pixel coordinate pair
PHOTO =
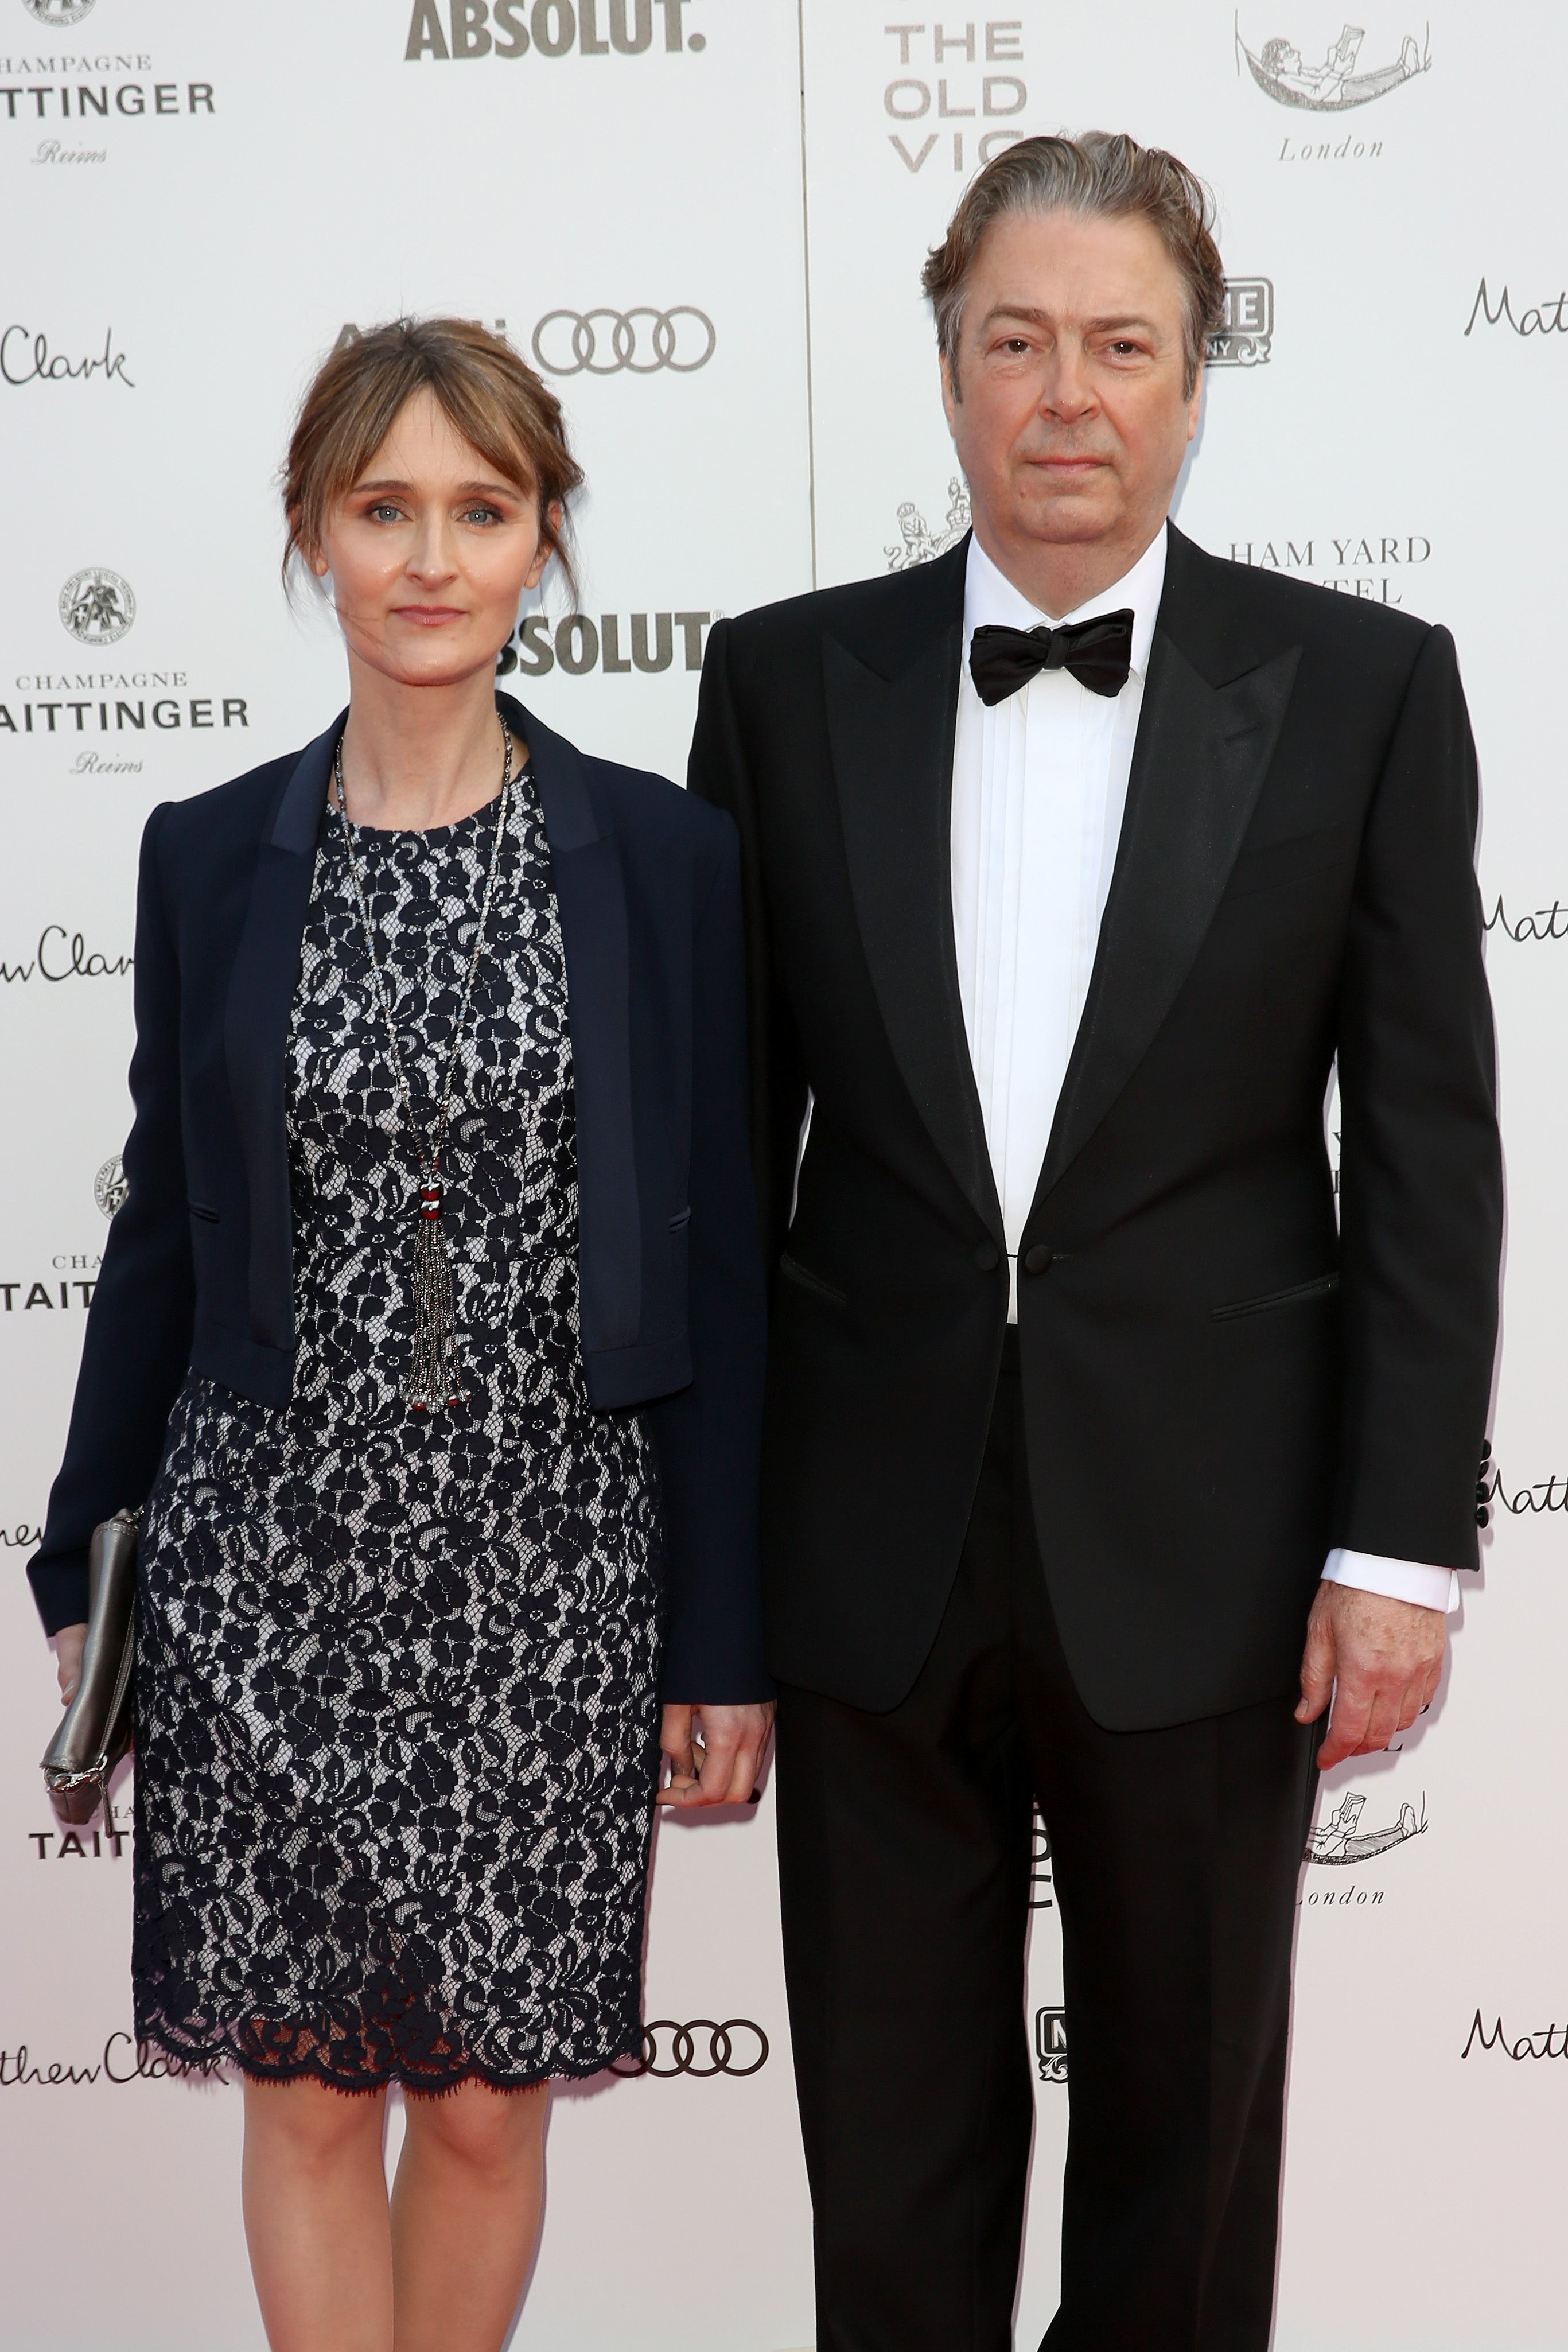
(1104, 176)
(486, 392)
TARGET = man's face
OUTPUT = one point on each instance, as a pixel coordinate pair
(1068, 414)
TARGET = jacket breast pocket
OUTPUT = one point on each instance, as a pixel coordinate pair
(1303, 857)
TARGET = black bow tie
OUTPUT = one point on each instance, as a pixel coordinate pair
(1098, 653)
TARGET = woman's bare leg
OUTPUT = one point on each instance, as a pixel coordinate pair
(466, 2215)
(316, 2219)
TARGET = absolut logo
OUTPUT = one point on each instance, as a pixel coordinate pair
(452, 30)
(615, 643)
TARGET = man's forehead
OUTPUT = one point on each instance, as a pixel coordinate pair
(1043, 266)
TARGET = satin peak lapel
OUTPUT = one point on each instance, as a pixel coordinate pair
(893, 757)
(1198, 766)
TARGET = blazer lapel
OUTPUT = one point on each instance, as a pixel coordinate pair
(591, 898)
(256, 1029)
(1198, 766)
(892, 739)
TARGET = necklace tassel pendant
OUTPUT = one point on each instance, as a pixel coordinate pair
(434, 1378)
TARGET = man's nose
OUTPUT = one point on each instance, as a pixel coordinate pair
(1067, 392)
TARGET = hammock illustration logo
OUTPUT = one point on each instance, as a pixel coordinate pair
(1283, 74)
(1341, 1838)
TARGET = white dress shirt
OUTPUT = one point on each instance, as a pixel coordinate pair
(1040, 786)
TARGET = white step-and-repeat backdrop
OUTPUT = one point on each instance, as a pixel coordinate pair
(705, 219)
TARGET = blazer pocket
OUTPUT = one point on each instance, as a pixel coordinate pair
(200, 1209)
(804, 1279)
(1303, 857)
(1322, 1285)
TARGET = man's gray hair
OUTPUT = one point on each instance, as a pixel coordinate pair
(1102, 174)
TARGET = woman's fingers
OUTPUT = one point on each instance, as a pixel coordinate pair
(716, 1754)
(70, 1643)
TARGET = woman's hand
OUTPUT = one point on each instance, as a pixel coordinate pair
(713, 1753)
(69, 1644)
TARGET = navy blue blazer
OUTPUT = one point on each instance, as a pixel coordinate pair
(198, 1270)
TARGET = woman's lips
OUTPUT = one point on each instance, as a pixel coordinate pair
(427, 616)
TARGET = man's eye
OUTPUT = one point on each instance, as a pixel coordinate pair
(1125, 350)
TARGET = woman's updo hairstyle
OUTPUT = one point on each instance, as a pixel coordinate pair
(486, 392)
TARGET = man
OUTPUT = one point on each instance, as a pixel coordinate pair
(1096, 1456)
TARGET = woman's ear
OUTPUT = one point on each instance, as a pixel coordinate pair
(549, 536)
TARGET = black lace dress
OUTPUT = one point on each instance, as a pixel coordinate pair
(397, 1678)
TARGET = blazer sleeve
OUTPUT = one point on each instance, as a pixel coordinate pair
(720, 772)
(138, 1342)
(1420, 1160)
(708, 1435)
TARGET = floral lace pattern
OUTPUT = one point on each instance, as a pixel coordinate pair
(397, 1672)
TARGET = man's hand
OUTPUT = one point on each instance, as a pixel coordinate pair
(1379, 1659)
(715, 1753)
(70, 1643)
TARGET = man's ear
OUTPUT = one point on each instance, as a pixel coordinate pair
(951, 395)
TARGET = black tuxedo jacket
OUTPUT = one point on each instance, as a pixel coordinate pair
(1219, 1382)
(198, 1271)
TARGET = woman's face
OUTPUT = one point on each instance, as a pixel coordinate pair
(430, 553)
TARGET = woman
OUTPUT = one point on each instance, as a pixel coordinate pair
(431, 1334)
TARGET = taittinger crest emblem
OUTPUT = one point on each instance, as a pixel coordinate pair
(97, 606)
(57, 13)
(110, 1187)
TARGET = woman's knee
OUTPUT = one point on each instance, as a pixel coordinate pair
(308, 2124)
(491, 2131)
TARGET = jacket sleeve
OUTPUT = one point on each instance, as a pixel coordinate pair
(138, 1342)
(719, 772)
(1420, 1160)
(709, 1436)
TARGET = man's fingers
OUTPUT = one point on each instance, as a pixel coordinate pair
(1347, 1726)
(1317, 1667)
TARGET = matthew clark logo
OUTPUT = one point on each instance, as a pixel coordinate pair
(1538, 319)
(26, 358)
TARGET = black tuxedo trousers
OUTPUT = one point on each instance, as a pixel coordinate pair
(905, 1855)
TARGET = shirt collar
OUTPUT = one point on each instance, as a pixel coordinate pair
(990, 598)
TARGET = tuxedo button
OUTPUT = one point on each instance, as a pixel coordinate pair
(1036, 1260)
(987, 1257)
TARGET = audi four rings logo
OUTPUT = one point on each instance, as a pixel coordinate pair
(640, 342)
(703, 2048)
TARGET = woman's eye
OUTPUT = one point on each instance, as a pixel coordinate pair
(482, 514)
(382, 512)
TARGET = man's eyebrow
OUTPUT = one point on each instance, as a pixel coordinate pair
(1034, 317)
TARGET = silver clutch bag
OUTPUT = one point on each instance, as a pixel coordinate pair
(95, 1731)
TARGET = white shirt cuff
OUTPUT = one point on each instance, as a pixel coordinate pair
(1396, 1580)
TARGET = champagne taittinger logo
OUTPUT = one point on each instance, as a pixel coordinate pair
(97, 606)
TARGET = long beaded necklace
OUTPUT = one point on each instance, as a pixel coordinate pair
(434, 1376)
